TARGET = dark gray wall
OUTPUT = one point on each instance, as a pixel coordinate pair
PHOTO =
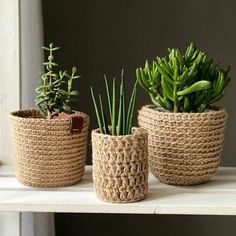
(101, 37)
(139, 225)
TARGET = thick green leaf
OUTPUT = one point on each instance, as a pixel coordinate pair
(200, 85)
(167, 89)
(74, 93)
(140, 79)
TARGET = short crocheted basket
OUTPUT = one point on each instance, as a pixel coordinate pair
(120, 166)
(47, 153)
(184, 148)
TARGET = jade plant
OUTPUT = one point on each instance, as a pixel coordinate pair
(55, 93)
(184, 82)
(121, 115)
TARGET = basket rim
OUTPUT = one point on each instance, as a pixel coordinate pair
(135, 131)
(16, 115)
(214, 110)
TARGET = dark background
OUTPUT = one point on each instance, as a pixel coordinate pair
(143, 225)
(101, 37)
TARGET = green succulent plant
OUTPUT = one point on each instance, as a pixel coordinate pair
(121, 117)
(55, 93)
(184, 82)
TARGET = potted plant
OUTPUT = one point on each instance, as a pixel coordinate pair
(50, 142)
(120, 164)
(185, 131)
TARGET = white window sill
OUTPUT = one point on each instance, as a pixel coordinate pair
(218, 197)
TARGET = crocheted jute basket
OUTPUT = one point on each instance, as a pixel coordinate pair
(47, 153)
(120, 166)
(184, 148)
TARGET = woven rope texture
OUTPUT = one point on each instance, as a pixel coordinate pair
(120, 166)
(46, 153)
(184, 148)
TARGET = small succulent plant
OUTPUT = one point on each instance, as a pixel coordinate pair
(55, 93)
(184, 82)
(121, 118)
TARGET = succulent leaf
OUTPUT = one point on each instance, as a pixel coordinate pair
(51, 98)
(184, 82)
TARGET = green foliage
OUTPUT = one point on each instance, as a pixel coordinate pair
(52, 98)
(184, 82)
(121, 119)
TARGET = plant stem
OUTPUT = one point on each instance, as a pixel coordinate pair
(120, 115)
(123, 103)
(104, 124)
(131, 110)
(114, 107)
(108, 98)
(49, 112)
(124, 112)
(175, 98)
(97, 112)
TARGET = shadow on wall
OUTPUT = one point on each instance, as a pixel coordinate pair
(101, 37)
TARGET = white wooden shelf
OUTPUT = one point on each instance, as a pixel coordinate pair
(218, 197)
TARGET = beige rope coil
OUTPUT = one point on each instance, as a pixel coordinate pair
(184, 148)
(120, 166)
(46, 153)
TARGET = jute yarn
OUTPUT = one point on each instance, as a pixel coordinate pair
(184, 148)
(46, 153)
(120, 166)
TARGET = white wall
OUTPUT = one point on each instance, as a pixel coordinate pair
(9, 67)
(9, 224)
(9, 95)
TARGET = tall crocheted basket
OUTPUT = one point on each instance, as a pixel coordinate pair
(184, 148)
(120, 166)
(47, 153)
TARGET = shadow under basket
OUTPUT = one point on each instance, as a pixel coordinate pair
(184, 148)
(120, 166)
(47, 153)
